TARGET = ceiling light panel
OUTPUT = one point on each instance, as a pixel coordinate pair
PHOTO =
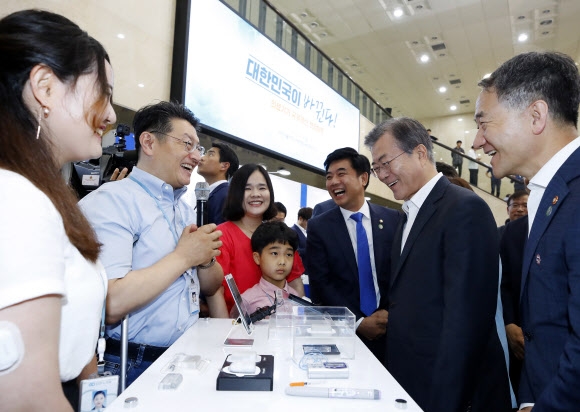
(417, 7)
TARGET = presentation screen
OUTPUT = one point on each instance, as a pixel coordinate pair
(240, 83)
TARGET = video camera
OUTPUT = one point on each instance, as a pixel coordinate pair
(89, 175)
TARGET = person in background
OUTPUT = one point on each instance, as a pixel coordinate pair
(322, 207)
(527, 116)
(349, 249)
(157, 260)
(446, 169)
(517, 206)
(519, 182)
(304, 215)
(217, 166)
(431, 136)
(273, 247)
(250, 201)
(56, 84)
(473, 166)
(456, 158)
(495, 182)
(513, 237)
(280, 212)
(442, 341)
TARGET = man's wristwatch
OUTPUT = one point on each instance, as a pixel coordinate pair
(210, 264)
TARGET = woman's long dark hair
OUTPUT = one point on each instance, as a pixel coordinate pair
(234, 204)
(29, 38)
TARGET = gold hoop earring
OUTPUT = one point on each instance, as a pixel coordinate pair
(46, 112)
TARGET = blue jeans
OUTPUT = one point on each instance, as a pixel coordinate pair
(135, 367)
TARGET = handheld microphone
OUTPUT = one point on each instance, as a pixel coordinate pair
(201, 194)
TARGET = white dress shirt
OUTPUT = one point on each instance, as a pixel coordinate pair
(411, 207)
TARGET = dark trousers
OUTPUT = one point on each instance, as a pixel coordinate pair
(458, 166)
(495, 185)
(473, 176)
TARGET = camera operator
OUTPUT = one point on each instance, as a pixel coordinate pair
(115, 164)
(157, 261)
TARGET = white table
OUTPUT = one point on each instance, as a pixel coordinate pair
(198, 391)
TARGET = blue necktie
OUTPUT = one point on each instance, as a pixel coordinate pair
(368, 297)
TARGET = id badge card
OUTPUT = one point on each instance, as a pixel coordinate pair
(98, 393)
(193, 288)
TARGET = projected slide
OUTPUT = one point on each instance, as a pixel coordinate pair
(242, 84)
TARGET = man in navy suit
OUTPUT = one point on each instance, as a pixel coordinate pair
(217, 166)
(511, 251)
(332, 244)
(527, 114)
(300, 227)
(442, 343)
(322, 207)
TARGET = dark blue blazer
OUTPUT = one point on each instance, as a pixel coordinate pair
(215, 203)
(332, 268)
(301, 241)
(322, 207)
(331, 261)
(550, 296)
(442, 342)
(511, 250)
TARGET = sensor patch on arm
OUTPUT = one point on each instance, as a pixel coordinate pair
(11, 347)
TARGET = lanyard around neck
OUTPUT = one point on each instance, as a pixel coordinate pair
(171, 226)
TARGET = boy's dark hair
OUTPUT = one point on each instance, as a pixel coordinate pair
(272, 232)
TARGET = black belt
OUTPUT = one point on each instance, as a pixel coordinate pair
(150, 353)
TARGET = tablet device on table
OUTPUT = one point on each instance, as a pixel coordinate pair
(240, 305)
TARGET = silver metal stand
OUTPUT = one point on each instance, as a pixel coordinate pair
(124, 352)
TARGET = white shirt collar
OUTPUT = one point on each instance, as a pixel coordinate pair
(541, 180)
(216, 184)
(547, 172)
(301, 229)
(419, 198)
(365, 210)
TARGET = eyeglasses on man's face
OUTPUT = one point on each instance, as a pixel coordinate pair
(188, 145)
(384, 166)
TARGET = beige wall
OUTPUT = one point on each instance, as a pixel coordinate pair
(143, 56)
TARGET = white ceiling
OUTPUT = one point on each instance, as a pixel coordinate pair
(381, 53)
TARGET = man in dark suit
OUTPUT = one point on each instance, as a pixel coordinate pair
(517, 206)
(322, 207)
(527, 114)
(333, 261)
(217, 166)
(300, 227)
(442, 343)
(511, 251)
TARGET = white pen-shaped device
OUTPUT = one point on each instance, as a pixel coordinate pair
(345, 393)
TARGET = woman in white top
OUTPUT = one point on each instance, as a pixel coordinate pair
(55, 103)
